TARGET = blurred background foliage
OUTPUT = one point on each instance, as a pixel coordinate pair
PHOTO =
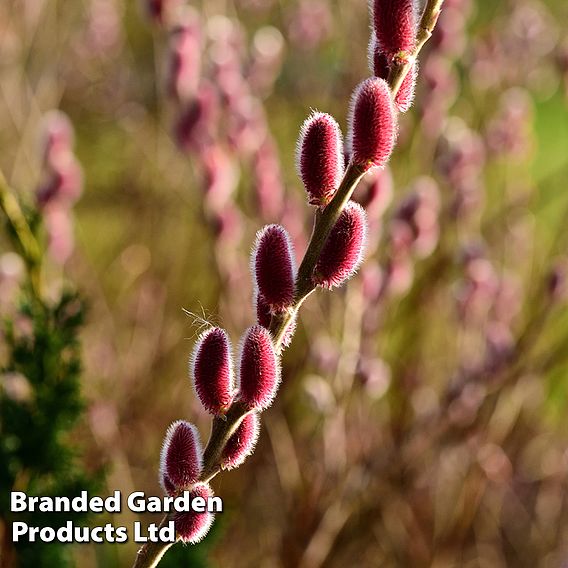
(408, 431)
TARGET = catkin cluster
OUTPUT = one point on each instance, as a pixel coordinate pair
(250, 376)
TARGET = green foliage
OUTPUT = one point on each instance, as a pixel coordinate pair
(36, 453)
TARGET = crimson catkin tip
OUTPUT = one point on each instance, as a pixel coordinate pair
(394, 23)
(259, 373)
(274, 267)
(181, 456)
(343, 251)
(319, 157)
(372, 124)
(211, 370)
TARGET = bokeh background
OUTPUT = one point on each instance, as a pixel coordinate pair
(422, 415)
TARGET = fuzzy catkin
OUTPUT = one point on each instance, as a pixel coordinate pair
(274, 267)
(380, 67)
(241, 444)
(394, 23)
(373, 125)
(343, 250)
(180, 460)
(211, 370)
(192, 526)
(320, 157)
(258, 372)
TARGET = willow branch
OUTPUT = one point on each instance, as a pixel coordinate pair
(224, 427)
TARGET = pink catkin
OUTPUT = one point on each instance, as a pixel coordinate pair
(63, 181)
(59, 228)
(405, 95)
(258, 372)
(220, 177)
(264, 316)
(241, 444)
(380, 67)
(57, 139)
(274, 267)
(343, 250)
(197, 122)
(63, 185)
(192, 526)
(372, 124)
(184, 59)
(246, 123)
(211, 370)
(394, 23)
(320, 157)
(180, 460)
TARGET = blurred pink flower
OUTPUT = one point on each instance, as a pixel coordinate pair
(310, 24)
